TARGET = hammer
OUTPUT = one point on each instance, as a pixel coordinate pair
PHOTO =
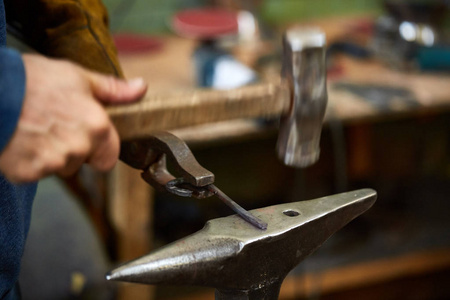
(300, 98)
(242, 262)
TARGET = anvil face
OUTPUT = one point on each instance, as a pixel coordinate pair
(230, 254)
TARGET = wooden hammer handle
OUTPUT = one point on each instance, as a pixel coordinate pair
(183, 109)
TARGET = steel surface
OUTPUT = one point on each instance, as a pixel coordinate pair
(239, 260)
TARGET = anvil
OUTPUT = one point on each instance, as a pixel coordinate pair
(242, 261)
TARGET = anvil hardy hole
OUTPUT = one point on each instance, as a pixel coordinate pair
(291, 213)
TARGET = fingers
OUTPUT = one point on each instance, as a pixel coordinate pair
(102, 144)
(62, 124)
(61, 148)
(108, 89)
(75, 152)
(106, 151)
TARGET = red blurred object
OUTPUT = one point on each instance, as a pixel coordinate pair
(134, 43)
(205, 23)
(335, 72)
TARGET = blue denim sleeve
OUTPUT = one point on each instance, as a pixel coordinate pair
(15, 200)
(12, 91)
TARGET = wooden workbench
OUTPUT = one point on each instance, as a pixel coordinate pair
(171, 68)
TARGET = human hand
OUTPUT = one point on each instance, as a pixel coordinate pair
(63, 124)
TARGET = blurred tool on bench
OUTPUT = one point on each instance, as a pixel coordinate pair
(215, 67)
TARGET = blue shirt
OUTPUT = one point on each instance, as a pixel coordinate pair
(15, 200)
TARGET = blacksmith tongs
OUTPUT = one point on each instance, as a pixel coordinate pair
(150, 154)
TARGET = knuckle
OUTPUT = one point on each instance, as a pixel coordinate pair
(48, 164)
(105, 160)
(54, 165)
(99, 124)
(104, 166)
(79, 150)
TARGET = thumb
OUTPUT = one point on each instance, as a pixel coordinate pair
(108, 89)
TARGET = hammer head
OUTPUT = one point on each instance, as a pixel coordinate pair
(232, 255)
(304, 70)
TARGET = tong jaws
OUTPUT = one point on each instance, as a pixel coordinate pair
(150, 155)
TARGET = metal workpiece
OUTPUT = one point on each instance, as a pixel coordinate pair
(244, 214)
(304, 71)
(239, 260)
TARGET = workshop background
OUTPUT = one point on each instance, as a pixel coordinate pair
(387, 128)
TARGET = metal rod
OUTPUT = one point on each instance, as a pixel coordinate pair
(244, 214)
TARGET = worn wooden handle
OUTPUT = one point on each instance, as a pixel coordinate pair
(182, 109)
